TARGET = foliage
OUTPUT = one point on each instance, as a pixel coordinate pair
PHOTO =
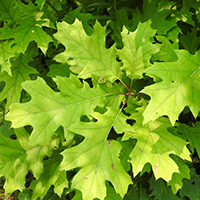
(99, 99)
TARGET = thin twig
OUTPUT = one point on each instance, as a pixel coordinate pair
(54, 9)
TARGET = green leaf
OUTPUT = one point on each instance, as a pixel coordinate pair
(88, 51)
(151, 9)
(50, 176)
(12, 164)
(176, 182)
(6, 52)
(179, 87)
(6, 11)
(12, 12)
(35, 162)
(17, 158)
(97, 157)
(161, 191)
(137, 50)
(25, 194)
(127, 147)
(166, 52)
(154, 145)
(111, 194)
(6, 130)
(85, 18)
(192, 134)
(49, 110)
(190, 41)
(59, 70)
(20, 73)
(185, 14)
(138, 193)
(163, 23)
(29, 30)
(190, 188)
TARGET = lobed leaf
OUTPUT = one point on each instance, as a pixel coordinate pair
(137, 50)
(179, 87)
(49, 110)
(29, 30)
(88, 51)
(20, 72)
(154, 145)
(51, 176)
(192, 135)
(97, 157)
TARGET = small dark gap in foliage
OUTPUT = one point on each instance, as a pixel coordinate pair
(28, 128)
(2, 85)
(130, 121)
(25, 97)
(29, 179)
(186, 117)
(196, 161)
(109, 41)
(14, 137)
(89, 81)
(71, 174)
(78, 139)
(113, 135)
(45, 158)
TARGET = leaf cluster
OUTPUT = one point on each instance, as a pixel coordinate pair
(99, 99)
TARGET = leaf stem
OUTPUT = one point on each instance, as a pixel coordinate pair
(125, 86)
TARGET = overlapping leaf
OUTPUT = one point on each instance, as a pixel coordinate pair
(12, 12)
(20, 73)
(17, 158)
(137, 50)
(154, 145)
(48, 110)
(88, 51)
(6, 52)
(51, 176)
(160, 189)
(29, 30)
(179, 87)
(176, 182)
(12, 164)
(97, 157)
(192, 134)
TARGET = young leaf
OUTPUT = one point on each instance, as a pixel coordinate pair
(88, 51)
(179, 87)
(49, 110)
(97, 157)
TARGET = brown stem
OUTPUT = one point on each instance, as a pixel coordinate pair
(125, 86)
(125, 102)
